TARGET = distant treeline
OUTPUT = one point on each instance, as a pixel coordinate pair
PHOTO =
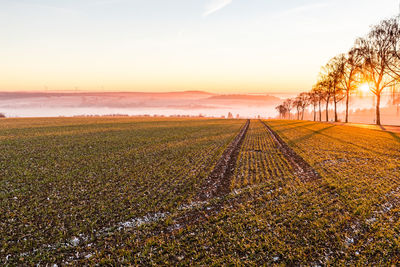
(373, 63)
(230, 116)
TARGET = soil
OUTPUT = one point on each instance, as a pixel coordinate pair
(302, 169)
(218, 182)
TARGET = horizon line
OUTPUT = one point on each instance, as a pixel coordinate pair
(149, 92)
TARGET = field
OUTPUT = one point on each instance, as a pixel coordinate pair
(197, 191)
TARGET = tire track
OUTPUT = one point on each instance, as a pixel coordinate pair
(302, 169)
(208, 202)
(218, 182)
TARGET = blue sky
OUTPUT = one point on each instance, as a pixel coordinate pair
(228, 46)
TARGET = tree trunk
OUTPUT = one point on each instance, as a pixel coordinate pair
(320, 112)
(347, 105)
(302, 115)
(315, 112)
(378, 111)
(334, 101)
(326, 109)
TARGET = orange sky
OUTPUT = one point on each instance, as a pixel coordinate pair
(222, 46)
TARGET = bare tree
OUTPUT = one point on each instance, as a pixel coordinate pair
(333, 71)
(375, 51)
(350, 76)
(282, 111)
(325, 83)
(304, 101)
(319, 92)
(391, 27)
(313, 99)
(297, 104)
(288, 104)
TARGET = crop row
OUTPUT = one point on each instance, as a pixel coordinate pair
(260, 159)
(362, 164)
(58, 189)
(362, 167)
(348, 216)
(269, 218)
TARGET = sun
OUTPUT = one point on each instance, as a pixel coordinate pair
(364, 88)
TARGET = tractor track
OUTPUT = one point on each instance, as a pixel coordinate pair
(218, 182)
(301, 167)
(209, 202)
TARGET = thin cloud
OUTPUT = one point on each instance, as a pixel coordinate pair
(302, 9)
(215, 5)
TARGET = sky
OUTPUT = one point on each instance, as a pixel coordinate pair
(220, 46)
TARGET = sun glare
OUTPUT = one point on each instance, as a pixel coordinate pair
(364, 88)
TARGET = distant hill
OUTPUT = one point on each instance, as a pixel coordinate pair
(246, 100)
(186, 102)
(247, 97)
(190, 94)
(132, 99)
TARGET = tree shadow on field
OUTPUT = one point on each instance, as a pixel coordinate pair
(298, 140)
(395, 136)
(303, 138)
(302, 125)
(287, 124)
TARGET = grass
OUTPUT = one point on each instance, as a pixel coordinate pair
(64, 179)
(260, 160)
(338, 219)
(152, 170)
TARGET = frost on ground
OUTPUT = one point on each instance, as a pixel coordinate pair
(136, 222)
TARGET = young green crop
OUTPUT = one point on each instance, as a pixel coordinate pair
(64, 180)
(260, 159)
(279, 220)
(348, 216)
